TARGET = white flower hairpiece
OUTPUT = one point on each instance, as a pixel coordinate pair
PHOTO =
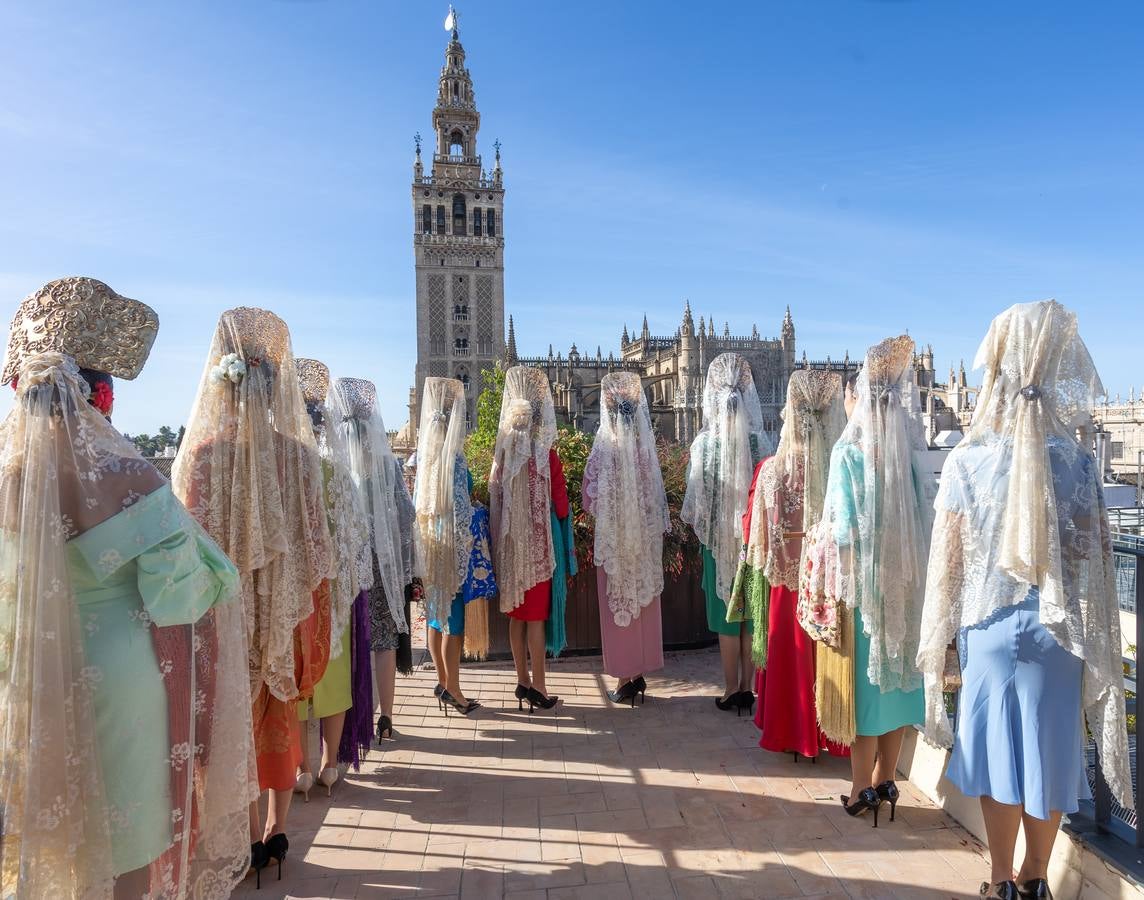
(230, 367)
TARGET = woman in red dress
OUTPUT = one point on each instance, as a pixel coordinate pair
(526, 487)
(786, 501)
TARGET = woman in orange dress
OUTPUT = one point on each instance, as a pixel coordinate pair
(249, 472)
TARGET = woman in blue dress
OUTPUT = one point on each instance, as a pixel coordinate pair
(1021, 580)
(869, 553)
(445, 541)
(126, 760)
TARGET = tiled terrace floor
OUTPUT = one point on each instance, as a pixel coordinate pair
(671, 799)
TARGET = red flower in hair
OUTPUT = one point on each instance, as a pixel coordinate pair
(102, 397)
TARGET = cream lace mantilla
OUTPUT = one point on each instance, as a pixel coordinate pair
(520, 486)
(1036, 520)
(789, 497)
(624, 487)
(723, 459)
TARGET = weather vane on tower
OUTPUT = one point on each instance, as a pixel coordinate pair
(451, 20)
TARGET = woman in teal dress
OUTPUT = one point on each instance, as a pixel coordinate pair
(126, 756)
(872, 547)
(723, 460)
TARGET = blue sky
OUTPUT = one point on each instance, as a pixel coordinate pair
(879, 166)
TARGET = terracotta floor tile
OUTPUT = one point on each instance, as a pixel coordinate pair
(671, 799)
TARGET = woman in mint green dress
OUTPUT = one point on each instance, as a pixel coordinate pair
(125, 757)
(723, 460)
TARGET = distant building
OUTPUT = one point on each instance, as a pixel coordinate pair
(1123, 422)
(458, 243)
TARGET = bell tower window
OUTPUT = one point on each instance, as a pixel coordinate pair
(426, 219)
(491, 219)
(440, 220)
(459, 214)
(456, 140)
(477, 216)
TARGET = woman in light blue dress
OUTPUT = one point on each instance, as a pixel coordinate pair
(1021, 583)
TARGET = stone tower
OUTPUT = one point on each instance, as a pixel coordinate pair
(688, 408)
(458, 242)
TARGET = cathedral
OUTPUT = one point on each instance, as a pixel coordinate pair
(458, 245)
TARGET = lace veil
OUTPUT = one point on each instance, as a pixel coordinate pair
(520, 486)
(1038, 388)
(877, 513)
(723, 459)
(248, 470)
(377, 475)
(64, 470)
(792, 486)
(444, 513)
(629, 502)
(344, 510)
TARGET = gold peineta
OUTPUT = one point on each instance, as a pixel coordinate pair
(85, 319)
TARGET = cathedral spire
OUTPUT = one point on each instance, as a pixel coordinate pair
(510, 347)
(787, 336)
(645, 334)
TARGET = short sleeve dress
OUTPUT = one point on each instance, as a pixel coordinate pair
(149, 565)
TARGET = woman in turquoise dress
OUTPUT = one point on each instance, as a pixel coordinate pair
(724, 456)
(126, 759)
(869, 550)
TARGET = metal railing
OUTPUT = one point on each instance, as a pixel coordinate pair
(1109, 829)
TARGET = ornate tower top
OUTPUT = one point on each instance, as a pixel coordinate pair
(688, 326)
(787, 335)
(455, 117)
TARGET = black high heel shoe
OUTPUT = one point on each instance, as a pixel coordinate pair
(1002, 890)
(625, 693)
(438, 690)
(259, 860)
(867, 801)
(888, 792)
(463, 708)
(521, 696)
(535, 698)
(730, 703)
(1035, 889)
(384, 725)
(746, 701)
(641, 686)
(276, 848)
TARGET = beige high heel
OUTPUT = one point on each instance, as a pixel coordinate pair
(329, 777)
(303, 785)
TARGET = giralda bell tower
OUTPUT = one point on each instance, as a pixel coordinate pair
(458, 241)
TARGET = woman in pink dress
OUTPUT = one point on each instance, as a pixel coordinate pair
(623, 490)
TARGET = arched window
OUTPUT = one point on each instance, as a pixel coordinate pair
(456, 143)
(440, 220)
(460, 312)
(478, 215)
(426, 219)
(459, 215)
(491, 220)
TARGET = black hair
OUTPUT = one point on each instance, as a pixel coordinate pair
(93, 378)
